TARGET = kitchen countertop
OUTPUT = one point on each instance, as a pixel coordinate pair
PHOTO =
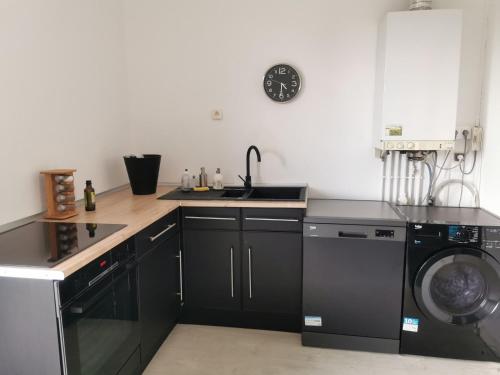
(136, 212)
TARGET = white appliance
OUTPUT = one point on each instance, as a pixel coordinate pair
(417, 80)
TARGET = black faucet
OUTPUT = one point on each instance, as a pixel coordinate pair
(248, 178)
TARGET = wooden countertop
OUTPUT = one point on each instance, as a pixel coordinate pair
(138, 212)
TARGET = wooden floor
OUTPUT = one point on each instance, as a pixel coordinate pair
(207, 350)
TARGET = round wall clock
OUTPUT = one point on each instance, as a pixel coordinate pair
(282, 83)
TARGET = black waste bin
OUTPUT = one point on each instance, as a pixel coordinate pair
(143, 173)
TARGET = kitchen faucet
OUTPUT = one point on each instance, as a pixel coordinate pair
(248, 178)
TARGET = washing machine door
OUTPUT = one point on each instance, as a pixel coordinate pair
(458, 286)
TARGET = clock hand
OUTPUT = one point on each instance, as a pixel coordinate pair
(282, 85)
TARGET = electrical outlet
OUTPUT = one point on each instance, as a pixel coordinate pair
(217, 114)
(476, 138)
(459, 156)
(460, 132)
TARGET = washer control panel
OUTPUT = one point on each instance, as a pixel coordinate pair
(491, 238)
(463, 234)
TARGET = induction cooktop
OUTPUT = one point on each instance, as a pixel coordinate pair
(45, 244)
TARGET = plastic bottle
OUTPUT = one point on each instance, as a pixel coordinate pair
(218, 184)
(185, 181)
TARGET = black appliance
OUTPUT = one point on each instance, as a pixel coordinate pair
(353, 275)
(46, 244)
(99, 325)
(452, 283)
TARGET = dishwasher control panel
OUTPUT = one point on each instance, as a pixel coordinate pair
(353, 232)
(385, 233)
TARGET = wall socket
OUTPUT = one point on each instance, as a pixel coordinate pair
(217, 114)
(460, 133)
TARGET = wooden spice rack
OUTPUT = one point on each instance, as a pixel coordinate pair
(60, 193)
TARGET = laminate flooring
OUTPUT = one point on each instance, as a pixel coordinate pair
(207, 350)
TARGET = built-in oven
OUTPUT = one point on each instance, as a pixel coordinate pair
(99, 328)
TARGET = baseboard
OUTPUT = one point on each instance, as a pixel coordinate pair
(242, 319)
(366, 344)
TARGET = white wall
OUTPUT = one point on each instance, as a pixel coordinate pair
(186, 58)
(470, 87)
(490, 184)
(75, 75)
(61, 97)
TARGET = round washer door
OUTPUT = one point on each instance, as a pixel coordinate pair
(458, 286)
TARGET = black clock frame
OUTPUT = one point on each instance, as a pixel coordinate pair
(282, 83)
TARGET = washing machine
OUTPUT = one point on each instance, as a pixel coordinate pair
(452, 283)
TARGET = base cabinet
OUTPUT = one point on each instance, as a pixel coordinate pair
(272, 272)
(159, 303)
(243, 268)
(212, 269)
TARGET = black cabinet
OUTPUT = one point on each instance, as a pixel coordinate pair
(243, 267)
(133, 365)
(159, 300)
(212, 269)
(272, 272)
(273, 219)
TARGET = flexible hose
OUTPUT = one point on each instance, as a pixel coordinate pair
(470, 187)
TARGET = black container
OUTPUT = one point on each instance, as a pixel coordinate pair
(143, 173)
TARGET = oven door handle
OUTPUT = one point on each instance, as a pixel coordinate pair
(82, 306)
(104, 273)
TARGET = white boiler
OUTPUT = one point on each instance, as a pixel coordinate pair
(417, 80)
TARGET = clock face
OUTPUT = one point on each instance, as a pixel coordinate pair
(282, 83)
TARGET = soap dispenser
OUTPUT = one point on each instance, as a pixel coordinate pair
(218, 184)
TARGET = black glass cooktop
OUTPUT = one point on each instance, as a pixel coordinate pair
(41, 244)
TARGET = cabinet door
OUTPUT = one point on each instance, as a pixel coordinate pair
(159, 302)
(272, 272)
(212, 269)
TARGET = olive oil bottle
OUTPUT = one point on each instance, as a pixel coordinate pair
(89, 195)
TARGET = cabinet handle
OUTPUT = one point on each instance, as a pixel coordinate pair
(154, 238)
(210, 218)
(232, 273)
(250, 293)
(272, 219)
(181, 290)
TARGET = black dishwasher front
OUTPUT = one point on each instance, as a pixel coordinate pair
(353, 286)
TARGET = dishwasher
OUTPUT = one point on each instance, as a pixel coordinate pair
(353, 275)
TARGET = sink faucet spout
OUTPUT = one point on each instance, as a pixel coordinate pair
(248, 178)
